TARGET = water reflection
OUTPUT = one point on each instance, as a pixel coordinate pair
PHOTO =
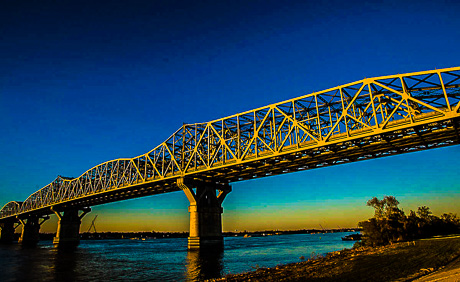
(157, 260)
(204, 264)
(24, 266)
(65, 263)
(25, 263)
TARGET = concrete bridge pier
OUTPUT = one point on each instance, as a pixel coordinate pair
(205, 212)
(7, 233)
(30, 234)
(68, 230)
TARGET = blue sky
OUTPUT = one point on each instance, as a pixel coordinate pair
(83, 82)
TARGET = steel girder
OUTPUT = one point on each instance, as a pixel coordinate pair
(370, 118)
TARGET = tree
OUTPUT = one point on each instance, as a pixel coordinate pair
(424, 213)
(388, 223)
(384, 208)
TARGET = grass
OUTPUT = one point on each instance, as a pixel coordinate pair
(398, 262)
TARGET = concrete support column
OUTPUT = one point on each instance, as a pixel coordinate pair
(68, 230)
(205, 211)
(8, 228)
(31, 229)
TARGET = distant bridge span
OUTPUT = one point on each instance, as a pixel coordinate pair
(370, 118)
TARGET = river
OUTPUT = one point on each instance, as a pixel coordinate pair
(159, 259)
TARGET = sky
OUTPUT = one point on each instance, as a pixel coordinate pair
(84, 82)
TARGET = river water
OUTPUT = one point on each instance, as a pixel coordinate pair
(159, 259)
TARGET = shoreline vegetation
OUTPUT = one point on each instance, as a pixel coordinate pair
(390, 224)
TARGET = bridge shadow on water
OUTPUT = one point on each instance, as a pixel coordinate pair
(64, 263)
(205, 264)
(33, 263)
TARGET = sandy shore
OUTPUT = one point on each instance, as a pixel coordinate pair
(404, 261)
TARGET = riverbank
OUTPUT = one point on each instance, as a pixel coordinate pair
(397, 262)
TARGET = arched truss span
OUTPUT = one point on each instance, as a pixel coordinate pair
(11, 208)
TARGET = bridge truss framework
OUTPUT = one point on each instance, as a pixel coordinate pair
(370, 118)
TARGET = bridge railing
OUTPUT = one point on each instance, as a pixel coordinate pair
(365, 107)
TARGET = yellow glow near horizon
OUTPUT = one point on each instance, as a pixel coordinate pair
(330, 214)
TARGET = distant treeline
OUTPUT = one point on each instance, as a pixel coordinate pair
(390, 224)
(120, 235)
(285, 232)
(159, 235)
(132, 235)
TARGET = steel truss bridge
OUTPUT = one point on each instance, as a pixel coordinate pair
(366, 119)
